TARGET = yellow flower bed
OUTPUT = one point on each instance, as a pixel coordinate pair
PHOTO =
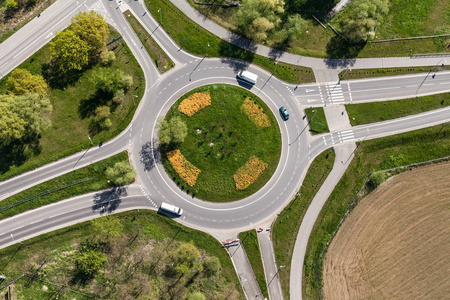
(255, 113)
(187, 171)
(194, 103)
(248, 173)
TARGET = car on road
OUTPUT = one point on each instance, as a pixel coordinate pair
(284, 113)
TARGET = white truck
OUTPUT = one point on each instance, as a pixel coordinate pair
(171, 208)
(248, 76)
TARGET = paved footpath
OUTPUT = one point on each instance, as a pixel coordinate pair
(244, 271)
(314, 63)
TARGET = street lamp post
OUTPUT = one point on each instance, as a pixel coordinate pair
(275, 275)
(207, 47)
(276, 65)
(343, 75)
(160, 16)
(90, 140)
(442, 60)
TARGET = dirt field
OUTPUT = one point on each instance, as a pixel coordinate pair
(396, 243)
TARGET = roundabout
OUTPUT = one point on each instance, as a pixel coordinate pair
(232, 146)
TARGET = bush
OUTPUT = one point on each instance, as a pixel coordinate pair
(118, 96)
(196, 296)
(105, 123)
(212, 265)
(11, 5)
(102, 112)
(121, 173)
(89, 262)
(376, 178)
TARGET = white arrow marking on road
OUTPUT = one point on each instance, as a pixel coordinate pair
(310, 90)
(49, 35)
(311, 100)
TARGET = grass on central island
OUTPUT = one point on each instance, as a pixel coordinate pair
(235, 139)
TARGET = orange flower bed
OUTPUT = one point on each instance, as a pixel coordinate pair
(194, 103)
(187, 171)
(248, 173)
(255, 113)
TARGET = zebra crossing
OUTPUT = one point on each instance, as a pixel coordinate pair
(334, 94)
(338, 137)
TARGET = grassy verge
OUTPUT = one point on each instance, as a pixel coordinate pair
(406, 18)
(221, 138)
(287, 224)
(11, 26)
(139, 262)
(317, 121)
(250, 242)
(159, 57)
(73, 113)
(95, 171)
(384, 153)
(365, 113)
(368, 73)
(195, 39)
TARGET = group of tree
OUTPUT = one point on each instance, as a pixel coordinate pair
(80, 44)
(25, 109)
(258, 18)
(172, 131)
(13, 5)
(360, 23)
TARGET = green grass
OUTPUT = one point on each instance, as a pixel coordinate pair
(372, 155)
(317, 121)
(249, 240)
(72, 114)
(368, 73)
(159, 57)
(407, 18)
(11, 26)
(94, 170)
(236, 138)
(136, 261)
(287, 224)
(365, 113)
(180, 28)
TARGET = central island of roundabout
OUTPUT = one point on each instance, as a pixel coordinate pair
(220, 143)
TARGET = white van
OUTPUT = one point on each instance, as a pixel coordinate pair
(171, 208)
(248, 76)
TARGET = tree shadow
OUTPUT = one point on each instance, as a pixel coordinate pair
(109, 200)
(87, 106)
(60, 80)
(342, 53)
(150, 155)
(237, 57)
(18, 152)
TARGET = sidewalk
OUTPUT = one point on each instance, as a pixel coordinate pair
(271, 269)
(244, 271)
(314, 63)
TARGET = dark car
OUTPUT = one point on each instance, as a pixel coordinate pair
(284, 113)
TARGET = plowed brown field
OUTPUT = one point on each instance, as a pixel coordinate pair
(396, 242)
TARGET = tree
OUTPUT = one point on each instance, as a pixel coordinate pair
(102, 112)
(186, 259)
(33, 110)
(258, 29)
(172, 131)
(105, 228)
(21, 81)
(120, 173)
(107, 57)
(212, 265)
(12, 125)
(68, 52)
(362, 20)
(294, 26)
(92, 29)
(90, 261)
